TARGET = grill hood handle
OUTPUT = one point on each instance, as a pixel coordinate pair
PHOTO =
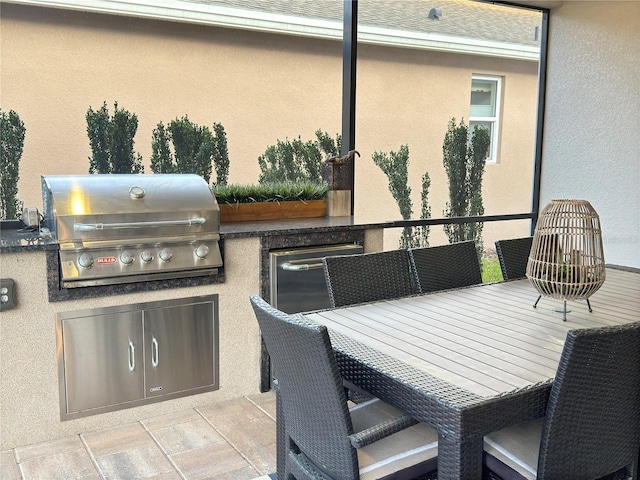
(89, 227)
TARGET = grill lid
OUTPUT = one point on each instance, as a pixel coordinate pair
(104, 207)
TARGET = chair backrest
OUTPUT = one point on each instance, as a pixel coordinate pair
(314, 403)
(445, 266)
(592, 422)
(513, 255)
(368, 277)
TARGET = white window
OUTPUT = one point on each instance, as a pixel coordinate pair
(485, 108)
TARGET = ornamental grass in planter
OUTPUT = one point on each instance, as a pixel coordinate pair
(242, 203)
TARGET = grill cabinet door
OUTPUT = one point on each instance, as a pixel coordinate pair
(179, 348)
(103, 360)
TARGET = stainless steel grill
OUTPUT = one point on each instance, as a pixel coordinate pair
(128, 228)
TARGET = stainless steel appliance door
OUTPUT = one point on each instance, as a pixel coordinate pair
(103, 360)
(179, 348)
(297, 276)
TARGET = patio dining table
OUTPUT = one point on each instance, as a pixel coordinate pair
(468, 361)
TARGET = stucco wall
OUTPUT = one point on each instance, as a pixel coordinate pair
(261, 87)
(56, 64)
(591, 141)
(408, 97)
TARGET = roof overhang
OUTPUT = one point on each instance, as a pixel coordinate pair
(228, 17)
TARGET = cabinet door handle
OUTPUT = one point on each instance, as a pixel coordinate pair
(296, 267)
(155, 355)
(132, 356)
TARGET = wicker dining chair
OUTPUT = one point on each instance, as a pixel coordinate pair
(321, 437)
(368, 277)
(592, 425)
(513, 255)
(445, 266)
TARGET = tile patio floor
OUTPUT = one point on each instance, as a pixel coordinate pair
(233, 440)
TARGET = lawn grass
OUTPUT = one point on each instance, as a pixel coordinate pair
(491, 271)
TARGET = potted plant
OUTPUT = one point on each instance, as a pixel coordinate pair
(269, 201)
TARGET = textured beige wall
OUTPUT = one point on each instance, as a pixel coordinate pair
(55, 64)
(592, 119)
(29, 405)
(408, 97)
(261, 87)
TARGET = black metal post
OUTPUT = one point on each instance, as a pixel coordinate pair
(542, 85)
(349, 53)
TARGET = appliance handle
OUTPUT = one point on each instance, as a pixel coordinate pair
(155, 354)
(89, 227)
(132, 356)
(296, 267)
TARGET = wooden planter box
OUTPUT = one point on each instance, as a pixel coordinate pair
(247, 212)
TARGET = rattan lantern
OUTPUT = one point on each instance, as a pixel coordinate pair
(566, 261)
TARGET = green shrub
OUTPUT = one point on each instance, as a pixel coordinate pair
(297, 161)
(161, 156)
(12, 132)
(193, 147)
(395, 167)
(111, 141)
(196, 150)
(220, 154)
(464, 160)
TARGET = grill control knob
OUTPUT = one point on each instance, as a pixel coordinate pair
(202, 251)
(127, 257)
(85, 260)
(166, 254)
(146, 256)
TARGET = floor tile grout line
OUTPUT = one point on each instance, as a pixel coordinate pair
(163, 450)
(87, 450)
(229, 442)
(91, 455)
(101, 475)
(260, 408)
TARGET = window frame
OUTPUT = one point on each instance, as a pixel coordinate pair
(493, 120)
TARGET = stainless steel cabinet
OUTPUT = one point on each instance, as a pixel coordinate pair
(103, 360)
(118, 357)
(297, 276)
(178, 348)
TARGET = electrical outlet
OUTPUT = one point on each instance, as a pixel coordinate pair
(7, 294)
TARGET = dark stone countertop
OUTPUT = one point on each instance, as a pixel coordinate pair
(272, 233)
(266, 228)
(13, 238)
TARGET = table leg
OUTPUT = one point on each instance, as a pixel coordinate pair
(459, 460)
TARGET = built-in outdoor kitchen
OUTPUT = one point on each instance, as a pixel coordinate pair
(132, 299)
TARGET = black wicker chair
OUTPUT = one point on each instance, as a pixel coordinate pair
(321, 437)
(592, 425)
(368, 277)
(445, 266)
(513, 255)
